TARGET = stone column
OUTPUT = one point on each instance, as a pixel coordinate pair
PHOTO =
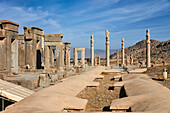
(34, 51)
(75, 57)
(123, 52)
(52, 57)
(59, 56)
(148, 48)
(68, 57)
(47, 50)
(92, 51)
(14, 56)
(67, 54)
(62, 53)
(117, 57)
(107, 48)
(83, 56)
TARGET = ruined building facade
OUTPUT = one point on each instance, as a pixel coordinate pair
(31, 51)
(8, 48)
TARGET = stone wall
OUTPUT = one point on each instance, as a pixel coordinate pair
(8, 48)
(21, 51)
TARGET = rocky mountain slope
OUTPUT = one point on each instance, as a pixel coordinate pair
(159, 50)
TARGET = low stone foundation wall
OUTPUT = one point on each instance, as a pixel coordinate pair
(33, 79)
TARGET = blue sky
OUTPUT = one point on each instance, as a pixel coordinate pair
(78, 19)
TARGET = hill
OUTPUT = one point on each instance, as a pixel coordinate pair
(159, 50)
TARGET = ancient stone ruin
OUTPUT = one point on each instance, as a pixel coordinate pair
(55, 82)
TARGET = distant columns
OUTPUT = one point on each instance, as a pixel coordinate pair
(107, 48)
(97, 60)
(148, 48)
(117, 57)
(92, 51)
(123, 52)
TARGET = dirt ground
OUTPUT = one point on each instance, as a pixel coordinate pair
(100, 98)
(156, 73)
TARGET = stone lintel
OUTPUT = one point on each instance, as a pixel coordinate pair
(34, 30)
(35, 27)
(53, 37)
(8, 22)
(9, 26)
(51, 43)
(53, 47)
(79, 49)
(2, 36)
(21, 37)
(67, 43)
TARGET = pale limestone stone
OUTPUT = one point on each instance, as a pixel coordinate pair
(8, 48)
(148, 42)
(76, 56)
(62, 53)
(107, 48)
(123, 52)
(92, 50)
(67, 54)
(59, 57)
(117, 57)
(97, 60)
(33, 47)
(47, 57)
(14, 57)
(52, 56)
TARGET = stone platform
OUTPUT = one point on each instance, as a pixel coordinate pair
(59, 96)
(138, 93)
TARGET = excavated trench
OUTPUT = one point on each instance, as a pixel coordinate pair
(100, 98)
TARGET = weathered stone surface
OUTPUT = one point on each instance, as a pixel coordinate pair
(76, 56)
(33, 47)
(92, 50)
(107, 49)
(97, 60)
(8, 48)
(123, 52)
(54, 42)
(67, 54)
(53, 37)
(148, 51)
(21, 51)
(144, 95)
(57, 97)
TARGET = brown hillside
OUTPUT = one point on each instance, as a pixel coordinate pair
(159, 50)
